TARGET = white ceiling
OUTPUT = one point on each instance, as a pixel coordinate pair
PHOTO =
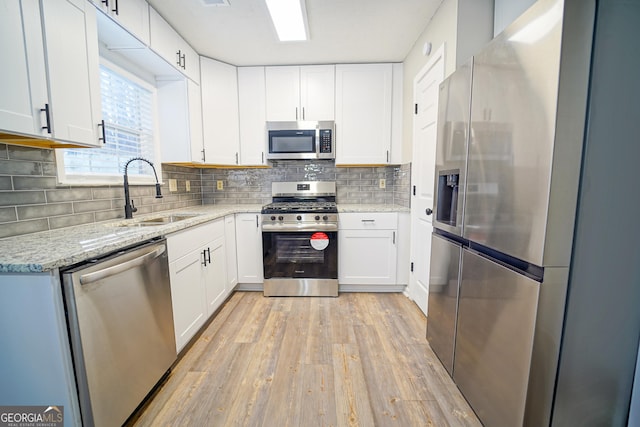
(341, 31)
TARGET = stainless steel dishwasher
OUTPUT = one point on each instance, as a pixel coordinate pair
(121, 330)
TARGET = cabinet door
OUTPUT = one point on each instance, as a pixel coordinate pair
(187, 296)
(249, 241)
(317, 92)
(367, 257)
(219, 86)
(230, 243)
(215, 275)
(251, 103)
(172, 47)
(71, 42)
(180, 121)
(18, 111)
(363, 113)
(132, 15)
(283, 93)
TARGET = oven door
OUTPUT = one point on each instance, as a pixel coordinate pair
(300, 254)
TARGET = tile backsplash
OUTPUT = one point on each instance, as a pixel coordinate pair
(354, 185)
(31, 199)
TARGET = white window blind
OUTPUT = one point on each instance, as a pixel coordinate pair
(128, 112)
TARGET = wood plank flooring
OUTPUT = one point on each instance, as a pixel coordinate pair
(361, 359)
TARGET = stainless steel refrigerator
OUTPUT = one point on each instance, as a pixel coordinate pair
(508, 180)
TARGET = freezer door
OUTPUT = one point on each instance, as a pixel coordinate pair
(443, 298)
(454, 109)
(494, 339)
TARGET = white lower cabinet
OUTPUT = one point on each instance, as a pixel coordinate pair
(232, 257)
(197, 269)
(249, 248)
(368, 248)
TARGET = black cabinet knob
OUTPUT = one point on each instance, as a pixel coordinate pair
(429, 211)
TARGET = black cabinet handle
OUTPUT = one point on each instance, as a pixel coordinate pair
(104, 133)
(105, 2)
(179, 53)
(47, 118)
(204, 257)
(209, 255)
(428, 211)
(116, 9)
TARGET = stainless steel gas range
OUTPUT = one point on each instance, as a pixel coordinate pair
(300, 240)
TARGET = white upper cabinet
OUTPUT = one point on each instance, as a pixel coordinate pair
(59, 98)
(71, 46)
(167, 43)
(219, 86)
(23, 83)
(180, 121)
(132, 15)
(363, 113)
(251, 100)
(300, 93)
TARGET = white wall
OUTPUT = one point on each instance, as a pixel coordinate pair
(506, 11)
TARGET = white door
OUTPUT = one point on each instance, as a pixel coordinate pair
(425, 93)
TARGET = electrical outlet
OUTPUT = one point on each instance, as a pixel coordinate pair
(173, 185)
(188, 184)
(383, 183)
(220, 185)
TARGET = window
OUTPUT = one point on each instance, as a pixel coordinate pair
(128, 110)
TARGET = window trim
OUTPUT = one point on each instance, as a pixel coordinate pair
(77, 180)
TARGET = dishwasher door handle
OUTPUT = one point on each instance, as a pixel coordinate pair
(85, 279)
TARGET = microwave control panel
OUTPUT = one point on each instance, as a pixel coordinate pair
(325, 140)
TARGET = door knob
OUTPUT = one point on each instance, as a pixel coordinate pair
(428, 211)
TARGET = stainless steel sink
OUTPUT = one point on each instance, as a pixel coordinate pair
(162, 220)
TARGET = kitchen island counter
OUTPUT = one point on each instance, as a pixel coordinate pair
(49, 250)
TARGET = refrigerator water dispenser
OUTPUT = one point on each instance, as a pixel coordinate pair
(447, 204)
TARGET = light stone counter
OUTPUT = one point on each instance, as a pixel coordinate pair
(48, 250)
(371, 208)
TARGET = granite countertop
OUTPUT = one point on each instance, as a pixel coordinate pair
(345, 208)
(48, 250)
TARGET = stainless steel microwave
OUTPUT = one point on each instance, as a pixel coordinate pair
(301, 140)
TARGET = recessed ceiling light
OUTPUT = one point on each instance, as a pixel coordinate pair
(289, 19)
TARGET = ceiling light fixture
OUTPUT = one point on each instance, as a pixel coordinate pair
(289, 19)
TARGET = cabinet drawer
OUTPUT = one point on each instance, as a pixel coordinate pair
(183, 242)
(368, 221)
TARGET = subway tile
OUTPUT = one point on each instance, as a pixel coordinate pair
(23, 227)
(49, 169)
(12, 167)
(91, 206)
(68, 195)
(5, 183)
(4, 152)
(34, 183)
(17, 152)
(17, 198)
(8, 214)
(70, 220)
(44, 211)
(107, 193)
(109, 214)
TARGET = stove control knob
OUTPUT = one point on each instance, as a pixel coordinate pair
(298, 217)
(273, 218)
(325, 217)
(280, 218)
(317, 218)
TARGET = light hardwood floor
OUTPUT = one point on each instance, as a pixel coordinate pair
(361, 359)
